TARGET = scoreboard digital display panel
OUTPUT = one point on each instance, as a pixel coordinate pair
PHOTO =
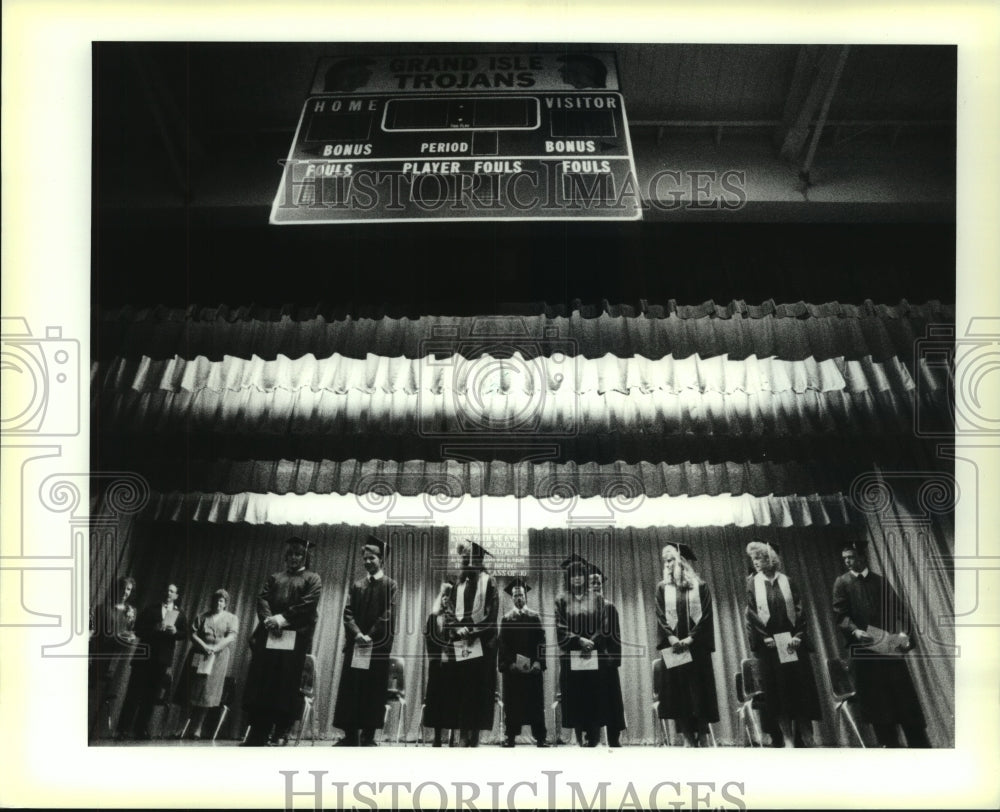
(473, 137)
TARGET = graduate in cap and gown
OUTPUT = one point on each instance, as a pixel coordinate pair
(521, 660)
(286, 614)
(588, 629)
(686, 626)
(474, 642)
(369, 630)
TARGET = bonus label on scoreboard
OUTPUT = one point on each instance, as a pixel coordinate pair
(461, 137)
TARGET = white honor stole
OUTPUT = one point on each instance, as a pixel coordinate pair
(760, 596)
(670, 605)
(478, 611)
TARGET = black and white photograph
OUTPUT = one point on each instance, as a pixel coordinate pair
(606, 397)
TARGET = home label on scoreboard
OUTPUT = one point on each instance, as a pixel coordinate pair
(461, 137)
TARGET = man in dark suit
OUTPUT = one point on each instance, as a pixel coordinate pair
(521, 660)
(369, 629)
(862, 602)
(158, 628)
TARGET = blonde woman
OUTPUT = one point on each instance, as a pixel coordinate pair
(686, 631)
(775, 617)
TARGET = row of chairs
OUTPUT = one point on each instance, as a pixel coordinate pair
(747, 683)
(749, 690)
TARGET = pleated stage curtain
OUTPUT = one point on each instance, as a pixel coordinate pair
(454, 478)
(789, 331)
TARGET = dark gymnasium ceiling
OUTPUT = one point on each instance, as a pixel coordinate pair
(187, 139)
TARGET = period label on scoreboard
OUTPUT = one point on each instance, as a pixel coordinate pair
(486, 136)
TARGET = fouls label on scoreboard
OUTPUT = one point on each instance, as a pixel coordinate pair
(526, 136)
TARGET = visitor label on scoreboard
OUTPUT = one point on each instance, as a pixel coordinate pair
(494, 136)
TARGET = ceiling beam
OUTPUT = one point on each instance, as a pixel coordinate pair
(815, 71)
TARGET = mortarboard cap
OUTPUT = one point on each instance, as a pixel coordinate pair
(686, 552)
(575, 561)
(376, 545)
(474, 550)
(518, 581)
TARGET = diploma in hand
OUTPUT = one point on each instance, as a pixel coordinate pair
(522, 664)
(203, 663)
(362, 657)
(883, 642)
(583, 661)
(281, 640)
(782, 641)
(468, 649)
(672, 659)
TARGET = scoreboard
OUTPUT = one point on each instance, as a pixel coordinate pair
(461, 137)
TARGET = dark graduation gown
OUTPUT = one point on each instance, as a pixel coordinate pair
(590, 699)
(789, 688)
(523, 699)
(371, 610)
(439, 708)
(884, 685)
(688, 690)
(476, 679)
(274, 680)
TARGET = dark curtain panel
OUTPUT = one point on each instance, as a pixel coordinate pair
(911, 527)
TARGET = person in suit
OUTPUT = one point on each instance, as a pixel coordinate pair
(774, 606)
(686, 624)
(521, 660)
(588, 626)
(474, 641)
(158, 627)
(863, 599)
(439, 711)
(286, 615)
(369, 629)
